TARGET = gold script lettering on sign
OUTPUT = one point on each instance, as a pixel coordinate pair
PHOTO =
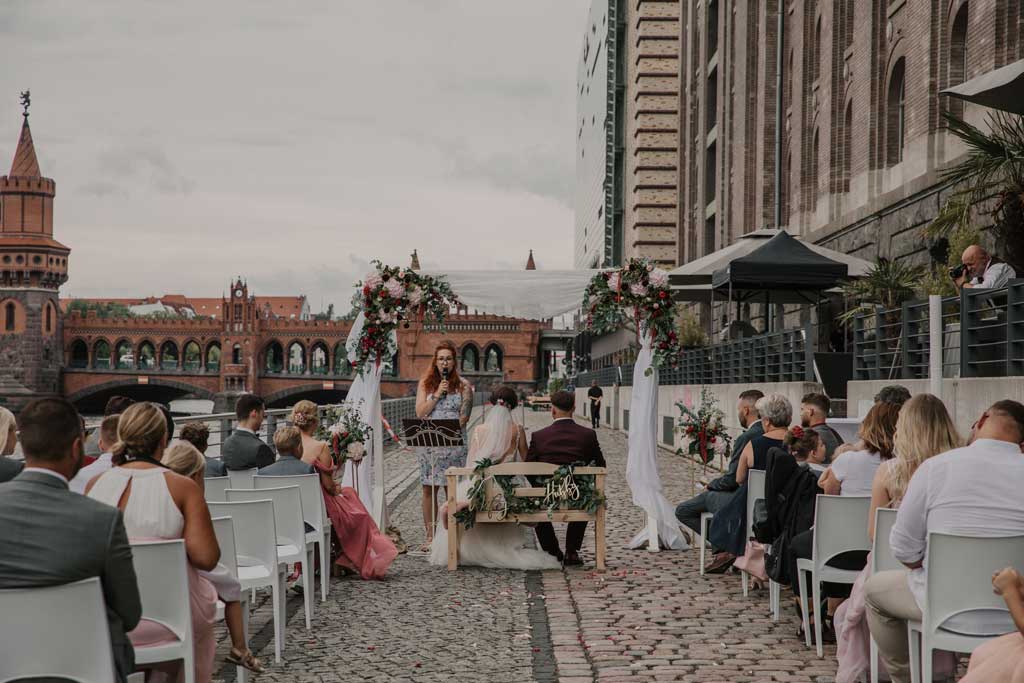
(563, 490)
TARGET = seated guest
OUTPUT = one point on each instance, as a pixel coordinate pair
(896, 394)
(1002, 659)
(108, 437)
(288, 442)
(720, 491)
(852, 473)
(982, 270)
(244, 449)
(185, 459)
(115, 406)
(814, 411)
(807, 446)
(198, 434)
(776, 413)
(52, 537)
(157, 503)
(923, 430)
(972, 490)
(9, 468)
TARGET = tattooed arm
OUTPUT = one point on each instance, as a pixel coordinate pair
(467, 404)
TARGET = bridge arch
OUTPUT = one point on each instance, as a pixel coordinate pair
(313, 391)
(93, 399)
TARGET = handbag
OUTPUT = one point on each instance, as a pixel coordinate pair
(759, 525)
(775, 565)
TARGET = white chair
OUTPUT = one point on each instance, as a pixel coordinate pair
(961, 610)
(162, 575)
(292, 545)
(840, 525)
(705, 522)
(256, 551)
(225, 531)
(214, 487)
(313, 511)
(881, 561)
(755, 492)
(242, 479)
(35, 642)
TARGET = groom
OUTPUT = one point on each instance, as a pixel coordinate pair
(564, 443)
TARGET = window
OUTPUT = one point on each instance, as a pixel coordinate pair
(816, 52)
(318, 360)
(101, 354)
(957, 60)
(125, 358)
(470, 359)
(895, 114)
(711, 100)
(169, 356)
(9, 316)
(274, 358)
(848, 11)
(847, 147)
(296, 358)
(48, 326)
(493, 359)
(711, 173)
(213, 358)
(236, 355)
(193, 356)
(709, 235)
(712, 21)
(79, 354)
(815, 151)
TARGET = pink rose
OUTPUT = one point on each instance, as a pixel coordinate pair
(373, 280)
(395, 289)
(415, 296)
(658, 278)
(638, 289)
(614, 281)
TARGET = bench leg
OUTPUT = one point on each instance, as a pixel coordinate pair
(453, 528)
(599, 544)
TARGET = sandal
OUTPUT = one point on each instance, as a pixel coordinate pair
(245, 659)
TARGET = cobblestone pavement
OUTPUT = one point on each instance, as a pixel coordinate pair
(651, 616)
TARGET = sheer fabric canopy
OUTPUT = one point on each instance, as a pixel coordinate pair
(531, 294)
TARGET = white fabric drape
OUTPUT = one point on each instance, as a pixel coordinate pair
(531, 294)
(366, 388)
(642, 459)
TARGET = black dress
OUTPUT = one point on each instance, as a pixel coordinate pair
(728, 530)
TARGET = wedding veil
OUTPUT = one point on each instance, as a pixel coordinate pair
(493, 441)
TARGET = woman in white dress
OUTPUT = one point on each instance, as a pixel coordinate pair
(500, 546)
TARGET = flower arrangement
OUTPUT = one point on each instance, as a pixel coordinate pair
(640, 291)
(704, 428)
(389, 296)
(347, 433)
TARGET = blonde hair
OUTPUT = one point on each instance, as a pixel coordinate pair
(923, 430)
(304, 415)
(287, 440)
(140, 429)
(6, 422)
(108, 428)
(184, 458)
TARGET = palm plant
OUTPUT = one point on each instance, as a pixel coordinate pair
(887, 284)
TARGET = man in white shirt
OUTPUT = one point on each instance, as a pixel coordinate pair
(974, 491)
(107, 439)
(983, 271)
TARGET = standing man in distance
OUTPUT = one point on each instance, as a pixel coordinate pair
(595, 394)
(244, 449)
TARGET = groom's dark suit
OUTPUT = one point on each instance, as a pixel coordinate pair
(564, 443)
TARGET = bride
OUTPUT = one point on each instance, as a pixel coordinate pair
(501, 546)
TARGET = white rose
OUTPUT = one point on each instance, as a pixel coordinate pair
(356, 451)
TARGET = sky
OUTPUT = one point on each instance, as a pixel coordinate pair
(291, 143)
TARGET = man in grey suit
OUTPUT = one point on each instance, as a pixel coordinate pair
(244, 450)
(51, 536)
(9, 468)
(288, 441)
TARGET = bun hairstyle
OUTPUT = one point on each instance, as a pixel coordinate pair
(305, 415)
(801, 442)
(184, 458)
(140, 431)
(504, 396)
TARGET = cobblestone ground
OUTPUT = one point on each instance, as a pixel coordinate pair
(651, 616)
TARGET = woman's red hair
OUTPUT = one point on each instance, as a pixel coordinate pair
(432, 377)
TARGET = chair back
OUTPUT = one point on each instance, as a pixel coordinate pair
(162, 574)
(34, 642)
(840, 524)
(224, 529)
(214, 487)
(287, 512)
(313, 510)
(254, 530)
(755, 491)
(242, 479)
(959, 595)
(881, 554)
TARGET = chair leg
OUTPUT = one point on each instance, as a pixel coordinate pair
(915, 655)
(308, 586)
(873, 650)
(802, 580)
(926, 659)
(188, 665)
(774, 597)
(703, 541)
(745, 582)
(325, 564)
(276, 599)
(818, 617)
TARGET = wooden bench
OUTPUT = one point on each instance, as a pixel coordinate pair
(527, 469)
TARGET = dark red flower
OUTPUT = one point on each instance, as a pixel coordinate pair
(663, 294)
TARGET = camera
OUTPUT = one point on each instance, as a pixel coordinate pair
(955, 273)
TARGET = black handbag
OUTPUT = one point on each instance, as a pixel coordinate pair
(775, 565)
(759, 527)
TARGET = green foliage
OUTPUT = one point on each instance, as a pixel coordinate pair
(704, 428)
(691, 331)
(103, 309)
(887, 284)
(556, 384)
(326, 315)
(937, 280)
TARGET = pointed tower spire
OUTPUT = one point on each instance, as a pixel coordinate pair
(25, 163)
(415, 265)
(530, 265)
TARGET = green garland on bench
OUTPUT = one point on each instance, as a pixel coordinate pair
(589, 498)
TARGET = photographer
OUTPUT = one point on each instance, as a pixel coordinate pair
(979, 269)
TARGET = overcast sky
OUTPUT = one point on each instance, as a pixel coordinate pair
(291, 142)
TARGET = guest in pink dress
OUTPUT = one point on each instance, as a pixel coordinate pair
(363, 549)
(1002, 660)
(159, 504)
(923, 429)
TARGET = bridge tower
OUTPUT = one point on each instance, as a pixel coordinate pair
(33, 266)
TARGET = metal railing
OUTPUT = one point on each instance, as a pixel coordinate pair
(775, 357)
(982, 336)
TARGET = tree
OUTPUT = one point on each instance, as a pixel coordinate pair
(328, 315)
(887, 284)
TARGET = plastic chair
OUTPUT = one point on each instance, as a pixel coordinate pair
(881, 561)
(840, 525)
(214, 487)
(160, 568)
(242, 479)
(313, 511)
(705, 522)
(755, 492)
(225, 531)
(256, 552)
(292, 545)
(961, 610)
(34, 642)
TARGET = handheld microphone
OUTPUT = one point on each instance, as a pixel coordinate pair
(444, 376)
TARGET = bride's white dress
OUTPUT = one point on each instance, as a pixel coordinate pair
(500, 546)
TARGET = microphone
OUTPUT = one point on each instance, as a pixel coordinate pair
(444, 376)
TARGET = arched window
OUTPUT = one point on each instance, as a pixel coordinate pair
(470, 359)
(273, 358)
(816, 52)
(389, 368)
(147, 356)
(169, 356)
(10, 316)
(123, 354)
(296, 358)
(787, 169)
(79, 354)
(101, 354)
(848, 10)
(236, 355)
(847, 147)
(815, 151)
(957, 59)
(493, 359)
(318, 359)
(213, 357)
(895, 114)
(193, 356)
(48, 324)
(341, 364)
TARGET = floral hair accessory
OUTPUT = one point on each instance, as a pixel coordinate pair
(501, 402)
(797, 431)
(300, 419)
